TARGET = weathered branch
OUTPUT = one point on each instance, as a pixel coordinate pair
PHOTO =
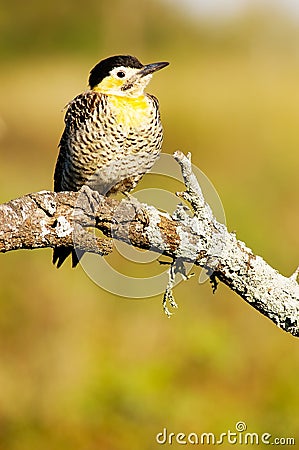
(49, 219)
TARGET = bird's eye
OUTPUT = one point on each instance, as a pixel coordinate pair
(121, 74)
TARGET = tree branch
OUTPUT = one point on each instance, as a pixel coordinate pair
(50, 219)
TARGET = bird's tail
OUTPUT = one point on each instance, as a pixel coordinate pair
(60, 254)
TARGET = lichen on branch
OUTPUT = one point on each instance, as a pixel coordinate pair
(191, 234)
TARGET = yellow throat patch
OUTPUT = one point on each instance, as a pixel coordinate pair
(130, 112)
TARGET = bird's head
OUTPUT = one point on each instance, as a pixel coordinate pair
(122, 75)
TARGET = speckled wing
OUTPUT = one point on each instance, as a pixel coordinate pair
(80, 143)
(69, 170)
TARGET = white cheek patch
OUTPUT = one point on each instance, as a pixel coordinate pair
(136, 83)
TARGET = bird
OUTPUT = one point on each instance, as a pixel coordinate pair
(113, 133)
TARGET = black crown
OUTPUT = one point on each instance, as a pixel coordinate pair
(104, 67)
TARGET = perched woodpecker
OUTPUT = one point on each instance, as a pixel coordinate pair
(113, 133)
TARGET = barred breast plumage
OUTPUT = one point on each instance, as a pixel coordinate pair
(103, 151)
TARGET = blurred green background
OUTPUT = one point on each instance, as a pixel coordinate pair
(81, 368)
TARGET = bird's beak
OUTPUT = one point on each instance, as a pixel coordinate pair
(151, 68)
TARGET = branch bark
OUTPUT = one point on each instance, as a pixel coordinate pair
(50, 219)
